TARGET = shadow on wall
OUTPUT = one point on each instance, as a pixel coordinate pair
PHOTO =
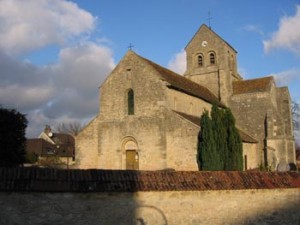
(30, 196)
(76, 209)
(117, 209)
(147, 214)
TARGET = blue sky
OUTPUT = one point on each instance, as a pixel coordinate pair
(54, 54)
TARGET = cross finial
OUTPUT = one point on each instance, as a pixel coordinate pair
(209, 18)
(130, 46)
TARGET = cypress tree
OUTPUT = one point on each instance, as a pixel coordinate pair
(220, 134)
(219, 143)
(234, 144)
(208, 157)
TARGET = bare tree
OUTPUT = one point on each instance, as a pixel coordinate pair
(72, 128)
(296, 115)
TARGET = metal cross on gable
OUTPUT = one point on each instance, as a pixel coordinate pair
(130, 46)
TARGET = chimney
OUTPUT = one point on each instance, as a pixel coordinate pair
(47, 130)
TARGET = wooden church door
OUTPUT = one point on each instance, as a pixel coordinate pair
(132, 160)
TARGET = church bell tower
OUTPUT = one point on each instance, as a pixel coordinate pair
(211, 62)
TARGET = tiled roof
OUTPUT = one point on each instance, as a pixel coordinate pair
(183, 84)
(64, 146)
(196, 120)
(60, 138)
(250, 86)
(53, 180)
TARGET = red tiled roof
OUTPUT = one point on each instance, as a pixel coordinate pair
(64, 146)
(196, 120)
(60, 138)
(250, 86)
(53, 180)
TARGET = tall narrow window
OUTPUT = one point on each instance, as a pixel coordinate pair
(200, 60)
(130, 102)
(212, 59)
(245, 162)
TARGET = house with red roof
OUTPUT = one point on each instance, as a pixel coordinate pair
(52, 149)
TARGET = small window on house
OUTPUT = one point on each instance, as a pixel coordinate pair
(212, 58)
(50, 151)
(200, 60)
(130, 99)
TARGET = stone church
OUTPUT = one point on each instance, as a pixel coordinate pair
(149, 116)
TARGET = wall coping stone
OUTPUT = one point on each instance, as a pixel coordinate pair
(24, 179)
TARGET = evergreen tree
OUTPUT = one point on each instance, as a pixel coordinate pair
(234, 144)
(220, 134)
(219, 143)
(208, 157)
(12, 137)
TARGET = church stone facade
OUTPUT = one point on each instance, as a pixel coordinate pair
(149, 116)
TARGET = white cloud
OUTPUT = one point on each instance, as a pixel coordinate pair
(31, 24)
(49, 94)
(254, 28)
(178, 62)
(67, 90)
(287, 36)
(288, 77)
(64, 91)
(82, 65)
(79, 73)
(20, 83)
(243, 72)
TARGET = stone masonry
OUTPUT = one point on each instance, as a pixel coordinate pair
(33, 196)
(149, 116)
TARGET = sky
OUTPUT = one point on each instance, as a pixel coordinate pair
(54, 54)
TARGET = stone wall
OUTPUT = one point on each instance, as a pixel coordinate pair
(182, 140)
(147, 132)
(185, 103)
(35, 196)
(131, 73)
(251, 155)
(216, 77)
(235, 207)
(86, 146)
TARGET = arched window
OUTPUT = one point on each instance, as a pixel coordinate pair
(130, 98)
(212, 58)
(200, 60)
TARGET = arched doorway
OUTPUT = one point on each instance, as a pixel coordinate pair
(131, 154)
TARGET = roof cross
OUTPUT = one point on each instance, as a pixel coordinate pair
(130, 46)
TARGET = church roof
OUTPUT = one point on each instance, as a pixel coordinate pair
(251, 86)
(196, 120)
(183, 84)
